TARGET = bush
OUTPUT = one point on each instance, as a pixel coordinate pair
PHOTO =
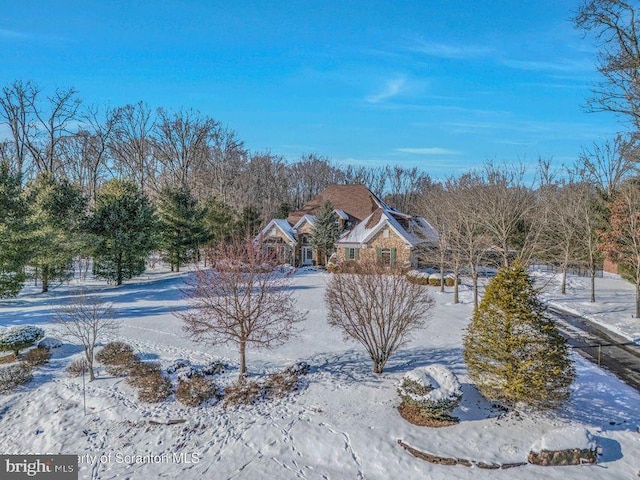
(141, 370)
(298, 368)
(278, 385)
(435, 280)
(195, 390)
(14, 375)
(76, 367)
(17, 338)
(431, 392)
(415, 276)
(242, 393)
(214, 368)
(154, 388)
(118, 358)
(449, 280)
(38, 356)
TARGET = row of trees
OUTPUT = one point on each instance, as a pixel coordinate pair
(491, 216)
(157, 148)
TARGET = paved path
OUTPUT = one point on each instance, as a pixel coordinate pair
(599, 345)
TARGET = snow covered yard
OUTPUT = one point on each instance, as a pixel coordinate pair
(342, 425)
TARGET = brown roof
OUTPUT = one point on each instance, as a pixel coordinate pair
(357, 201)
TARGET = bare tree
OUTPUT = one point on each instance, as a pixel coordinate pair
(242, 300)
(615, 26)
(86, 319)
(14, 113)
(377, 308)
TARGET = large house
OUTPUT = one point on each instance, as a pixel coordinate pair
(369, 229)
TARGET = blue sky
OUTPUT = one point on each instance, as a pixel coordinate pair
(439, 84)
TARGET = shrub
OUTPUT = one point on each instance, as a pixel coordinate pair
(195, 390)
(118, 358)
(242, 393)
(215, 367)
(278, 385)
(420, 278)
(14, 375)
(38, 356)
(435, 279)
(153, 388)
(50, 343)
(76, 367)
(449, 280)
(298, 368)
(17, 338)
(432, 392)
(141, 370)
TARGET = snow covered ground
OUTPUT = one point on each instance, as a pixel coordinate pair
(614, 307)
(342, 425)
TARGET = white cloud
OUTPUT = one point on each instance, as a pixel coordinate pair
(391, 89)
(428, 151)
(446, 50)
(565, 65)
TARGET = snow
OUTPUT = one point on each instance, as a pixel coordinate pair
(50, 343)
(444, 383)
(566, 438)
(342, 424)
(613, 309)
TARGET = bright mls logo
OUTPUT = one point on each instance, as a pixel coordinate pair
(39, 467)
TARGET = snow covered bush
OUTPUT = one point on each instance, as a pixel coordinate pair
(435, 280)
(153, 386)
(38, 356)
(215, 367)
(431, 392)
(242, 393)
(76, 367)
(415, 276)
(14, 375)
(50, 343)
(195, 390)
(17, 338)
(449, 280)
(118, 358)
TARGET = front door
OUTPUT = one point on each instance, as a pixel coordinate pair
(307, 256)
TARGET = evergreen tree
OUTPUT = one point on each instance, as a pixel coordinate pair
(124, 226)
(13, 213)
(513, 352)
(248, 224)
(325, 232)
(220, 222)
(56, 215)
(181, 227)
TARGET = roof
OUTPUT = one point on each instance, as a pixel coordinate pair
(413, 230)
(283, 226)
(305, 218)
(356, 201)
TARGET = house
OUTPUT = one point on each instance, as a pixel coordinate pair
(369, 229)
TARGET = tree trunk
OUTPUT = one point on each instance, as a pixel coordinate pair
(243, 361)
(563, 285)
(442, 276)
(456, 298)
(593, 283)
(45, 278)
(474, 276)
(89, 356)
(638, 298)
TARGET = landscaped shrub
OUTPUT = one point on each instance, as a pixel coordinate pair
(148, 378)
(142, 370)
(76, 367)
(278, 385)
(17, 338)
(429, 395)
(214, 368)
(38, 356)
(298, 368)
(435, 279)
(449, 280)
(50, 343)
(14, 375)
(118, 358)
(415, 276)
(195, 390)
(242, 393)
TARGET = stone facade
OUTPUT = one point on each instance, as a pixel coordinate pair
(387, 238)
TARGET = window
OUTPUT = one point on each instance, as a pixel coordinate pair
(387, 256)
(351, 253)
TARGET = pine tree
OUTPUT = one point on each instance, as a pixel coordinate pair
(13, 213)
(325, 232)
(124, 226)
(220, 222)
(181, 225)
(248, 224)
(515, 354)
(56, 216)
